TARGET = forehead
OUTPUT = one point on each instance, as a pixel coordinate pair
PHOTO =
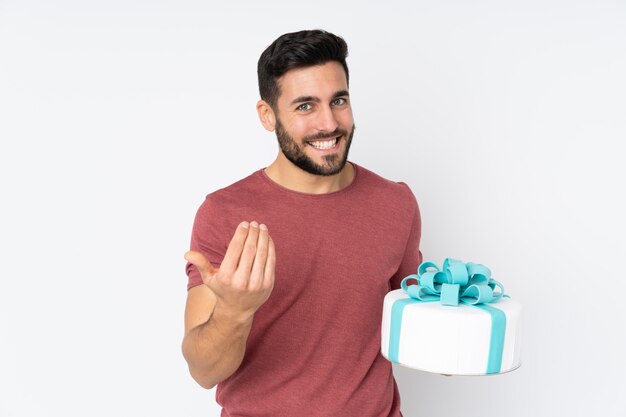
(321, 81)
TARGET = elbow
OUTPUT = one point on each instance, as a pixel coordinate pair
(202, 380)
(200, 374)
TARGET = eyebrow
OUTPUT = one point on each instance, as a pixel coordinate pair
(306, 99)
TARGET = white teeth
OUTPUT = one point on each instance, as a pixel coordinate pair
(324, 144)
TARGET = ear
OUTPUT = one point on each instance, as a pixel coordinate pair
(266, 115)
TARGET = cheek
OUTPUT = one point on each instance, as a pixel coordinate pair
(345, 118)
(300, 128)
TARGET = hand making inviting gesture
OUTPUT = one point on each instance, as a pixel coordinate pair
(219, 313)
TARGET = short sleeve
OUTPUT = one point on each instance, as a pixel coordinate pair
(209, 237)
(412, 255)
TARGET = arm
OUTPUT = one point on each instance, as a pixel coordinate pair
(219, 313)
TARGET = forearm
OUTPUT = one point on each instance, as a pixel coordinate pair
(214, 350)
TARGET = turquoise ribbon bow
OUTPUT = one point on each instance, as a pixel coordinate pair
(452, 285)
(457, 282)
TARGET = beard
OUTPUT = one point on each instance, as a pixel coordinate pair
(332, 164)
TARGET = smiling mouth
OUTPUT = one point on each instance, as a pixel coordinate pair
(324, 144)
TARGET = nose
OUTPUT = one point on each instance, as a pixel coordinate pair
(326, 120)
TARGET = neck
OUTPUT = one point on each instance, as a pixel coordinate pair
(287, 175)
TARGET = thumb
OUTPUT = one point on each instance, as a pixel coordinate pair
(201, 262)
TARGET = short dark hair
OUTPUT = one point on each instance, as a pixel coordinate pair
(296, 50)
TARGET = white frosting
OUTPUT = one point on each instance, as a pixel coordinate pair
(451, 340)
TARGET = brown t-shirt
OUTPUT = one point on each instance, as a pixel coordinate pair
(314, 346)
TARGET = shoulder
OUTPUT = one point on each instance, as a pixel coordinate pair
(234, 194)
(380, 188)
(221, 209)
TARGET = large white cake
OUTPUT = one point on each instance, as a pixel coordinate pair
(465, 339)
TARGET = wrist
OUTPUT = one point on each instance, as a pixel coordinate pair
(226, 314)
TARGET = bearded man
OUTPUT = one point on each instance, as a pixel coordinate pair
(289, 324)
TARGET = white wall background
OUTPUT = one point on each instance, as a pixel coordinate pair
(117, 117)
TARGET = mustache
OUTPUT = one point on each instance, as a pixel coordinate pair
(324, 135)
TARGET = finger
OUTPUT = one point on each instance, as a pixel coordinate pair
(235, 247)
(249, 253)
(270, 266)
(198, 260)
(258, 267)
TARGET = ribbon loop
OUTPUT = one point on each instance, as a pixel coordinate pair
(477, 294)
(427, 266)
(478, 269)
(457, 274)
(429, 281)
(404, 285)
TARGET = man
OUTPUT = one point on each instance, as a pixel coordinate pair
(289, 325)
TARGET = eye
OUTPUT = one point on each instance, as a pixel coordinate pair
(339, 101)
(304, 107)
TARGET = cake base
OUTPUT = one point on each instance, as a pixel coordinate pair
(470, 340)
